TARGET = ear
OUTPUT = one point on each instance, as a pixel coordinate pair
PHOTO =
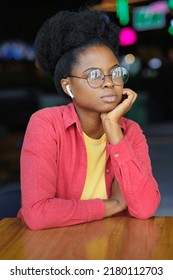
(64, 83)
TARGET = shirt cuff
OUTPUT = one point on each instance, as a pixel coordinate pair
(121, 152)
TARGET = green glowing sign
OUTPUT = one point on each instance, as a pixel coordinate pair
(144, 19)
(122, 10)
(170, 4)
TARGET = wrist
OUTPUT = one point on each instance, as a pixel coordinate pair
(113, 132)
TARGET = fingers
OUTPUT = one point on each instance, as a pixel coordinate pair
(128, 98)
(131, 95)
(115, 187)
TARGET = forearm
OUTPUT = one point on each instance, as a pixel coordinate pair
(113, 132)
(138, 186)
(56, 212)
(141, 193)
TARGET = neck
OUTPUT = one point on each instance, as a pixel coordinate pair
(91, 123)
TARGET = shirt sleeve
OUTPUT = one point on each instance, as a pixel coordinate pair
(41, 206)
(132, 168)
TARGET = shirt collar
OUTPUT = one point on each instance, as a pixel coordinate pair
(70, 116)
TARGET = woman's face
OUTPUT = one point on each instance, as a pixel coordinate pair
(108, 95)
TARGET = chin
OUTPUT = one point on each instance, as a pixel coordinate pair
(109, 107)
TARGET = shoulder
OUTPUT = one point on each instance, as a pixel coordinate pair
(56, 118)
(52, 114)
(45, 120)
(48, 113)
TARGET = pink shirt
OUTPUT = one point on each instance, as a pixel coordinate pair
(54, 164)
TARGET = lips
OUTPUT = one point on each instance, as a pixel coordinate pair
(110, 97)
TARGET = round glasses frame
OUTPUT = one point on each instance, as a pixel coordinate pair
(119, 76)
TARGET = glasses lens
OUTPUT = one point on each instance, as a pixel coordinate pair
(120, 76)
(95, 78)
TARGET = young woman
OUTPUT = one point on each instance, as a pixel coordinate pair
(84, 161)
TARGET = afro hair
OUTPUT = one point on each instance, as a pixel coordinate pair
(68, 30)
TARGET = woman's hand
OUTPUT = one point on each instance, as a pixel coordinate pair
(110, 120)
(116, 203)
(117, 194)
(128, 97)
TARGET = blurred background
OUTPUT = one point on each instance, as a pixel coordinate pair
(146, 50)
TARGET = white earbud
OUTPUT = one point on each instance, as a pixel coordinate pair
(69, 91)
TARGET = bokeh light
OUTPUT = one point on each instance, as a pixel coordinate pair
(128, 36)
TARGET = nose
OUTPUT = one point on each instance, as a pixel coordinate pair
(107, 81)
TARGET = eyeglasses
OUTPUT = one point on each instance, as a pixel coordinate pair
(119, 76)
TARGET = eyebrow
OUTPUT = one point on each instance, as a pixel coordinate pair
(93, 68)
(89, 69)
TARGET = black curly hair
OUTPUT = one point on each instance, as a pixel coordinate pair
(67, 34)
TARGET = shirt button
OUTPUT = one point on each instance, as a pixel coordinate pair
(116, 154)
(107, 171)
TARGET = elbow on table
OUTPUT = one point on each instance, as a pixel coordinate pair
(145, 209)
(144, 214)
(33, 225)
(32, 221)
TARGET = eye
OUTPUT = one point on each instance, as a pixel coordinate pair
(117, 72)
(95, 74)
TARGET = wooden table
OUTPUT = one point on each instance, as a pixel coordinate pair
(118, 238)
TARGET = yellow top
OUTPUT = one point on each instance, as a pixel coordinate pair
(95, 186)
